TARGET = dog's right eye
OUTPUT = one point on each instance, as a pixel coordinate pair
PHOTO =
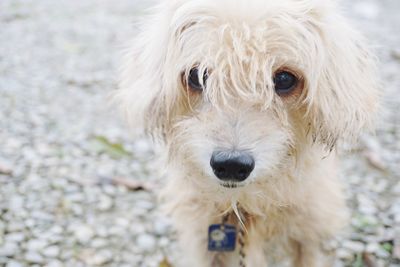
(193, 80)
(284, 82)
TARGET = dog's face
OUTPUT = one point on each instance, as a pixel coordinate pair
(238, 89)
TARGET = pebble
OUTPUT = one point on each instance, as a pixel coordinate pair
(56, 230)
(102, 231)
(110, 190)
(84, 233)
(164, 242)
(116, 231)
(372, 247)
(144, 204)
(30, 223)
(15, 226)
(105, 203)
(5, 167)
(54, 263)
(4, 260)
(15, 237)
(354, 246)
(100, 258)
(122, 222)
(142, 147)
(161, 226)
(42, 215)
(381, 253)
(131, 258)
(51, 252)
(366, 205)
(344, 254)
(13, 263)
(9, 249)
(397, 218)
(76, 197)
(146, 242)
(137, 228)
(16, 202)
(98, 243)
(34, 257)
(36, 245)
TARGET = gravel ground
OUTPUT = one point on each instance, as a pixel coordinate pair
(76, 190)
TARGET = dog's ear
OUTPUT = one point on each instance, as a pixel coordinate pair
(145, 95)
(342, 98)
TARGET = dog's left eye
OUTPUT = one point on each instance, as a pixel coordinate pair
(284, 82)
(194, 80)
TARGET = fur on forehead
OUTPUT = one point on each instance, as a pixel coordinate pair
(242, 43)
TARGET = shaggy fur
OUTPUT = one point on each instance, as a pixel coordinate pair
(292, 201)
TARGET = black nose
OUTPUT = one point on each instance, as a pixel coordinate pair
(232, 165)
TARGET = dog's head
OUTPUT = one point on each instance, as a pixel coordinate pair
(237, 89)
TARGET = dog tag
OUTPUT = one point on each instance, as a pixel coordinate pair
(221, 237)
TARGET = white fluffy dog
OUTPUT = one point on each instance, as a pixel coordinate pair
(249, 99)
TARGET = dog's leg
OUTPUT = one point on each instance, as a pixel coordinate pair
(320, 213)
(310, 255)
(307, 244)
(306, 255)
(254, 248)
(192, 229)
(193, 244)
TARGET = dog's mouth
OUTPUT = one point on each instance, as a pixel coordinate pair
(231, 185)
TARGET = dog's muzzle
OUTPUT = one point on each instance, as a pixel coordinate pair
(232, 166)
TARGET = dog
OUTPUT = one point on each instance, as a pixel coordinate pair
(248, 100)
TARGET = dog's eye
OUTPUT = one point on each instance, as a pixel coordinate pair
(284, 82)
(194, 80)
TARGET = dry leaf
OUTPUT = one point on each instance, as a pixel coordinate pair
(368, 260)
(132, 184)
(375, 160)
(164, 263)
(5, 169)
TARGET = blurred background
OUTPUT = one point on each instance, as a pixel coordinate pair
(77, 190)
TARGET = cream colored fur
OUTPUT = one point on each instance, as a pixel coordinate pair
(292, 201)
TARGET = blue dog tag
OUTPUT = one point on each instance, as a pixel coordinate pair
(221, 237)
